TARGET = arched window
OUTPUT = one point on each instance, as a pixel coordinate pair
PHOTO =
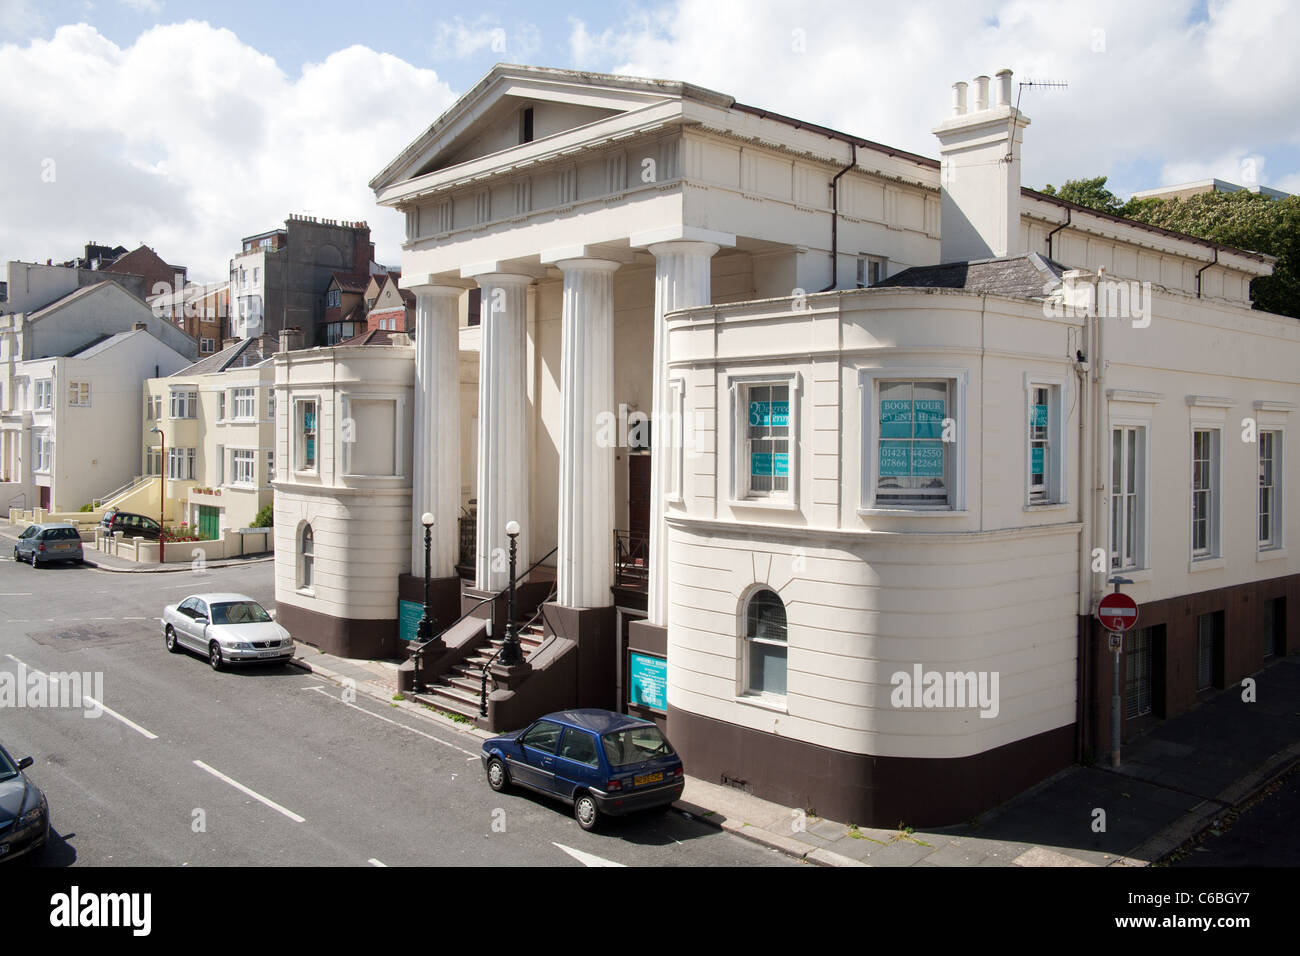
(765, 644)
(306, 551)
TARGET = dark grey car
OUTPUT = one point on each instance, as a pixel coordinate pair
(24, 811)
(43, 543)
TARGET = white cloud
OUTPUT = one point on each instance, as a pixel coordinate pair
(512, 41)
(190, 139)
(143, 6)
(1149, 85)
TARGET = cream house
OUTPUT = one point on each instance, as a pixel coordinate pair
(209, 430)
(906, 420)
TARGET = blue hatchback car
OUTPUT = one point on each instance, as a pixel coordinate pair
(600, 762)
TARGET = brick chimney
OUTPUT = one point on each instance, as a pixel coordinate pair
(291, 339)
(980, 173)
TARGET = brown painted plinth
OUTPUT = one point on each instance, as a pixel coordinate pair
(444, 597)
(342, 636)
(859, 788)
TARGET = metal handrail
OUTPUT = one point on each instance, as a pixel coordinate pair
(419, 648)
(133, 483)
(483, 677)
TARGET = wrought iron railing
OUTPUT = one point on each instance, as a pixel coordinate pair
(631, 559)
(468, 539)
(487, 666)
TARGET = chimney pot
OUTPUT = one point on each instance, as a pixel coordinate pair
(1004, 87)
(958, 99)
(981, 93)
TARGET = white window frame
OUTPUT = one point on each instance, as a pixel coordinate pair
(1141, 492)
(676, 491)
(299, 437)
(180, 464)
(222, 405)
(738, 387)
(744, 690)
(270, 465)
(42, 451)
(79, 394)
(246, 397)
(1276, 548)
(186, 400)
(306, 559)
(221, 465)
(1054, 490)
(44, 396)
(871, 270)
(1213, 547)
(207, 345)
(243, 467)
(869, 380)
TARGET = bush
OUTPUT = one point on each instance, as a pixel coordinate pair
(86, 507)
(265, 518)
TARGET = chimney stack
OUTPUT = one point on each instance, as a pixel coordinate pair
(980, 174)
(290, 339)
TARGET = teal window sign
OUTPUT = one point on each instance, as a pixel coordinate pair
(409, 614)
(1036, 460)
(1040, 416)
(895, 459)
(765, 464)
(647, 684)
(904, 418)
(927, 459)
(769, 414)
(929, 418)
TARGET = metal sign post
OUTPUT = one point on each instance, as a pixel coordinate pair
(1117, 615)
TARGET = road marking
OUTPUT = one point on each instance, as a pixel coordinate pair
(437, 740)
(252, 793)
(373, 862)
(134, 619)
(587, 859)
(15, 593)
(86, 698)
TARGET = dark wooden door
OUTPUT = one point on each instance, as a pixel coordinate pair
(638, 494)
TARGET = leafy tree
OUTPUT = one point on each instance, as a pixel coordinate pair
(265, 518)
(1088, 192)
(1244, 220)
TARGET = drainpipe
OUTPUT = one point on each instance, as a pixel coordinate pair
(1083, 468)
(835, 218)
(1100, 439)
(1069, 215)
(1202, 269)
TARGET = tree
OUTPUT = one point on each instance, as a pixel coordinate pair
(1243, 220)
(1087, 192)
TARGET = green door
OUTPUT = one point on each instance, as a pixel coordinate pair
(209, 522)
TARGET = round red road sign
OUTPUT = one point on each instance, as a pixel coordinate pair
(1117, 612)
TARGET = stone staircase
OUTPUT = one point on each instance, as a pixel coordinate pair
(459, 690)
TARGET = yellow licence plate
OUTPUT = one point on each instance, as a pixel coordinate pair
(647, 778)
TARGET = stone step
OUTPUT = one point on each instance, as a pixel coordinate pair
(453, 705)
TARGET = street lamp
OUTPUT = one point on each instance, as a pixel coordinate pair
(162, 493)
(510, 654)
(425, 631)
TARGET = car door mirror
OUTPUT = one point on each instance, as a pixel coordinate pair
(25, 762)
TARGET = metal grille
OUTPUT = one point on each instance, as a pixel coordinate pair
(1204, 651)
(1137, 687)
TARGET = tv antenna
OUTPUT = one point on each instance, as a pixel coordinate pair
(1022, 86)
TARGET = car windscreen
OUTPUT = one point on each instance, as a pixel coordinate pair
(239, 612)
(635, 745)
(7, 769)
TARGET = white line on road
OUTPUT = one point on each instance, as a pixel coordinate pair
(373, 862)
(15, 593)
(134, 619)
(437, 740)
(587, 859)
(90, 700)
(252, 793)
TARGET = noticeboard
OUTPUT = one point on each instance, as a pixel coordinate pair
(409, 614)
(647, 682)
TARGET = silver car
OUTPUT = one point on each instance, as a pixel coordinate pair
(53, 541)
(227, 628)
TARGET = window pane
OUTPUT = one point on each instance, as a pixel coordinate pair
(767, 668)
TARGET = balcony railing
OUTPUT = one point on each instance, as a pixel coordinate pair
(631, 559)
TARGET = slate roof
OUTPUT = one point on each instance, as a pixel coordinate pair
(352, 281)
(371, 337)
(1022, 277)
(243, 354)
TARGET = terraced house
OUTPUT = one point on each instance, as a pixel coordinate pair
(771, 414)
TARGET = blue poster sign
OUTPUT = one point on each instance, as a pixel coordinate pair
(409, 614)
(895, 418)
(1036, 460)
(929, 418)
(647, 683)
(1040, 416)
(769, 414)
(766, 465)
(927, 459)
(895, 459)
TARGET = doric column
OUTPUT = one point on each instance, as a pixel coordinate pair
(503, 460)
(585, 565)
(681, 282)
(435, 472)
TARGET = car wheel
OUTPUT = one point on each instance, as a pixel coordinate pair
(498, 779)
(586, 812)
(172, 646)
(214, 655)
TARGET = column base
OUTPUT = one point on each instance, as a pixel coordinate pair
(593, 630)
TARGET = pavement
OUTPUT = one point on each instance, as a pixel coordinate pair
(1174, 781)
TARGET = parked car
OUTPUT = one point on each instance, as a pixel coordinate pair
(131, 525)
(24, 811)
(599, 762)
(52, 541)
(227, 628)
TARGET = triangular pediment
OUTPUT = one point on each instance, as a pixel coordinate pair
(490, 119)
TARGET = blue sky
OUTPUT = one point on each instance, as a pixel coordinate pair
(187, 125)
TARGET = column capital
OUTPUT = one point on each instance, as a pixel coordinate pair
(434, 285)
(578, 264)
(653, 237)
(500, 273)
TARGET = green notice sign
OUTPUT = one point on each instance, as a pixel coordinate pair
(647, 683)
(409, 614)
(1040, 416)
(766, 465)
(769, 414)
(1036, 461)
(895, 459)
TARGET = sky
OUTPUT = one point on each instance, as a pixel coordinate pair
(188, 125)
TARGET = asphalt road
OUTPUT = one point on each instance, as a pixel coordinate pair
(267, 766)
(1262, 833)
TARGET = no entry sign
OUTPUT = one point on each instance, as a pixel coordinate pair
(1117, 612)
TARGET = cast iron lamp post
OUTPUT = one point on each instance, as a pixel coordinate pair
(510, 654)
(425, 632)
(162, 493)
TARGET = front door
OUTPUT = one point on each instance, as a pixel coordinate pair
(45, 497)
(209, 521)
(638, 495)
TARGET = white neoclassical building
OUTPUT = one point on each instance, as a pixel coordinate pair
(905, 421)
